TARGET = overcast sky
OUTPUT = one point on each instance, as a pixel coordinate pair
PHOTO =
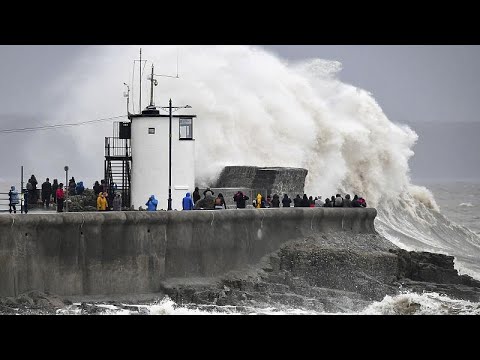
(434, 89)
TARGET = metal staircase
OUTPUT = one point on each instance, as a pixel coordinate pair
(118, 164)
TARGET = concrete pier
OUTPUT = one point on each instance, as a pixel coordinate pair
(132, 252)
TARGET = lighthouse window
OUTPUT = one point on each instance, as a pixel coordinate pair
(186, 128)
(151, 130)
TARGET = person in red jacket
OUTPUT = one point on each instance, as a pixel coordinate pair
(60, 195)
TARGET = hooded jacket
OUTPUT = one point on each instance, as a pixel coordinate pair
(187, 202)
(258, 204)
(152, 203)
(102, 203)
(117, 202)
(80, 188)
(13, 195)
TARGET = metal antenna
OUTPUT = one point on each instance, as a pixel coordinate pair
(140, 76)
(127, 95)
(152, 82)
(140, 69)
(170, 76)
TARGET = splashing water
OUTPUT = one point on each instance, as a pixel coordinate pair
(256, 109)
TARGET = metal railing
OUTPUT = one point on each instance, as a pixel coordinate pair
(5, 202)
(117, 147)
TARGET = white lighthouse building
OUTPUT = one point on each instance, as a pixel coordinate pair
(163, 155)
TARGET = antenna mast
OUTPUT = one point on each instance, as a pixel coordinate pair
(152, 82)
(140, 68)
(140, 80)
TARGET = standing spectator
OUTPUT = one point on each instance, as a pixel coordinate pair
(286, 201)
(60, 197)
(240, 199)
(258, 203)
(71, 186)
(362, 202)
(117, 202)
(339, 201)
(305, 202)
(196, 195)
(102, 202)
(25, 201)
(319, 202)
(328, 203)
(332, 200)
(187, 202)
(297, 202)
(33, 192)
(355, 202)
(220, 202)
(104, 186)
(46, 193)
(79, 189)
(97, 188)
(347, 202)
(311, 202)
(276, 201)
(268, 202)
(151, 203)
(12, 200)
(30, 192)
(54, 190)
(208, 190)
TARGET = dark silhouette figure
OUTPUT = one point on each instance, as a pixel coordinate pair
(297, 202)
(54, 190)
(71, 186)
(196, 195)
(275, 201)
(32, 189)
(46, 193)
(240, 199)
(305, 202)
(332, 199)
(328, 203)
(97, 188)
(355, 202)
(286, 201)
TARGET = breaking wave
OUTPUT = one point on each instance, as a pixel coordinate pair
(256, 109)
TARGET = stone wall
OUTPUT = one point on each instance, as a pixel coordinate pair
(132, 252)
(272, 180)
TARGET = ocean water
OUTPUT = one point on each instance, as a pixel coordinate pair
(459, 201)
(459, 204)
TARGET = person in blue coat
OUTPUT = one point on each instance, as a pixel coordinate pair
(13, 200)
(79, 189)
(152, 203)
(187, 202)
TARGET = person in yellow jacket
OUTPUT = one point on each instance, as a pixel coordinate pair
(258, 205)
(102, 202)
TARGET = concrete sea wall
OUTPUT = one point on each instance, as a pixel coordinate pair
(132, 252)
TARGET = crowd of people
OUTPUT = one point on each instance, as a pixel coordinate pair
(55, 193)
(107, 198)
(209, 202)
